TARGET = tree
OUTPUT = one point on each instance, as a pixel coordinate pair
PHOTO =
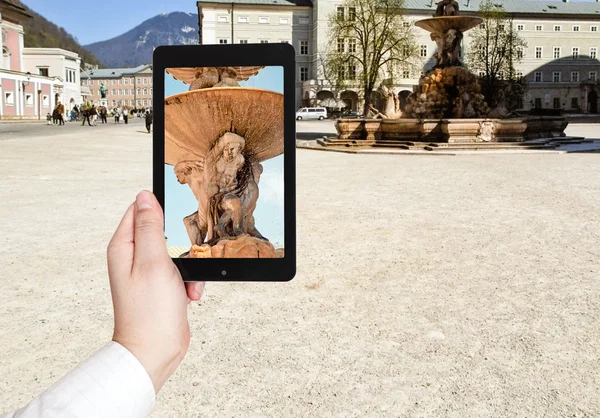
(370, 41)
(494, 51)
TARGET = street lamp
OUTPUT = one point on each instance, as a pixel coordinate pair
(23, 85)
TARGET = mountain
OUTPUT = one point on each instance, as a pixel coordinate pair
(135, 47)
(41, 33)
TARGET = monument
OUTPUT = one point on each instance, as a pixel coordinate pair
(103, 93)
(216, 136)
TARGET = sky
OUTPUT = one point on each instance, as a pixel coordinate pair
(268, 215)
(99, 21)
(94, 22)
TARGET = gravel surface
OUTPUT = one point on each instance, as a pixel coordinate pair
(447, 286)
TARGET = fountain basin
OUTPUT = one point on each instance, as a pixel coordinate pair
(443, 23)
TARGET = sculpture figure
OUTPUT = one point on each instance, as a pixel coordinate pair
(225, 183)
(207, 77)
(452, 40)
(103, 91)
(446, 8)
(392, 103)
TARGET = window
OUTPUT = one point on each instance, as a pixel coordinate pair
(132, 92)
(303, 47)
(284, 41)
(303, 73)
(145, 92)
(405, 50)
(150, 90)
(520, 27)
(145, 81)
(120, 92)
(575, 76)
(119, 81)
(352, 45)
(29, 100)
(557, 28)
(242, 19)
(114, 92)
(138, 91)
(593, 52)
(594, 28)
(342, 73)
(537, 78)
(340, 45)
(556, 103)
(243, 41)
(132, 102)
(284, 21)
(520, 53)
(223, 19)
(223, 41)
(575, 28)
(538, 52)
(539, 27)
(43, 72)
(264, 41)
(423, 50)
(520, 103)
(575, 52)
(113, 82)
(405, 74)
(340, 13)
(126, 81)
(556, 52)
(556, 77)
(263, 20)
(352, 14)
(145, 102)
(593, 76)
(538, 103)
(351, 72)
(45, 101)
(574, 103)
(91, 82)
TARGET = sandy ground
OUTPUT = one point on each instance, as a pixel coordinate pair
(427, 286)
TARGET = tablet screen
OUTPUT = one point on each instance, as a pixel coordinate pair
(224, 175)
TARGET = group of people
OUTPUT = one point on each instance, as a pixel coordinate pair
(56, 118)
(90, 114)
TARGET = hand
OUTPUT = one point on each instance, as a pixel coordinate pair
(149, 296)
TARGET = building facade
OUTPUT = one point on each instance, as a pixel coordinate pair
(61, 65)
(560, 61)
(23, 94)
(125, 86)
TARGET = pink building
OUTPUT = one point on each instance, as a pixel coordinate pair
(22, 95)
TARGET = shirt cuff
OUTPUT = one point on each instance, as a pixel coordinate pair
(110, 383)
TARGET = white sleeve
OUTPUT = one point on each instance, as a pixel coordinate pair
(111, 383)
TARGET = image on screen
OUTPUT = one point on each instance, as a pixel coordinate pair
(224, 162)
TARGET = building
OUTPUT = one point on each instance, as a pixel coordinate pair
(58, 64)
(126, 86)
(23, 94)
(560, 61)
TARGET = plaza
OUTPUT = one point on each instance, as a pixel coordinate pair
(427, 285)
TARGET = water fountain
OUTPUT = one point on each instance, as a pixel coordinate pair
(447, 106)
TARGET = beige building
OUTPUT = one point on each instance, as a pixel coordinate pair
(125, 86)
(560, 62)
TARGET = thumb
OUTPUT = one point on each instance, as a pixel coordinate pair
(149, 235)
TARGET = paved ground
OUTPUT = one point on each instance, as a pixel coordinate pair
(447, 286)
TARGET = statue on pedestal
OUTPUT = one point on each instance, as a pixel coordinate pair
(103, 91)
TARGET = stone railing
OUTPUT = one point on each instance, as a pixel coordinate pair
(452, 130)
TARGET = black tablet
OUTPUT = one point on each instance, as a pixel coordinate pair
(224, 162)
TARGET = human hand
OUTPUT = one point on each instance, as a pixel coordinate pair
(150, 299)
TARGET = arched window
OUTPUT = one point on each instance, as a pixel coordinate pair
(5, 58)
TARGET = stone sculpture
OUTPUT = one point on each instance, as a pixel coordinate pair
(446, 8)
(207, 77)
(103, 91)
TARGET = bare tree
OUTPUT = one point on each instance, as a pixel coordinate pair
(494, 51)
(370, 41)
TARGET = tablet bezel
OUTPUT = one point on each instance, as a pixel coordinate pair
(280, 54)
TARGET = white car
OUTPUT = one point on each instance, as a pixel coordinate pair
(311, 113)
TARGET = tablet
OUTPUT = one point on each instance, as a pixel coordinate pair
(224, 159)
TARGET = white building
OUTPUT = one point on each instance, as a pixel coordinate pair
(560, 62)
(59, 64)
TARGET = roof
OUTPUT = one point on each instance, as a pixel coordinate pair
(50, 51)
(116, 72)
(14, 6)
(517, 6)
(298, 3)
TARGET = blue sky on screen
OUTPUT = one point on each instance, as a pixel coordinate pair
(180, 202)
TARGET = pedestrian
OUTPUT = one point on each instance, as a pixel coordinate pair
(73, 115)
(103, 114)
(125, 115)
(94, 114)
(148, 120)
(55, 115)
(117, 115)
(86, 116)
(61, 112)
(49, 118)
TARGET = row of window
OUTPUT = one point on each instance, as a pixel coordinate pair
(538, 76)
(558, 28)
(70, 76)
(9, 99)
(144, 102)
(121, 92)
(556, 103)
(556, 52)
(120, 81)
(263, 20)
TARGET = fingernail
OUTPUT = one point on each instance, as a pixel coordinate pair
(143, 200)
(199, 288)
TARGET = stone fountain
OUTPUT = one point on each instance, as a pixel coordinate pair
(447, 106)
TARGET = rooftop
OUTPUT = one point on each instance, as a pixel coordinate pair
(305, 3)
(116, 72)
(50, 51)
